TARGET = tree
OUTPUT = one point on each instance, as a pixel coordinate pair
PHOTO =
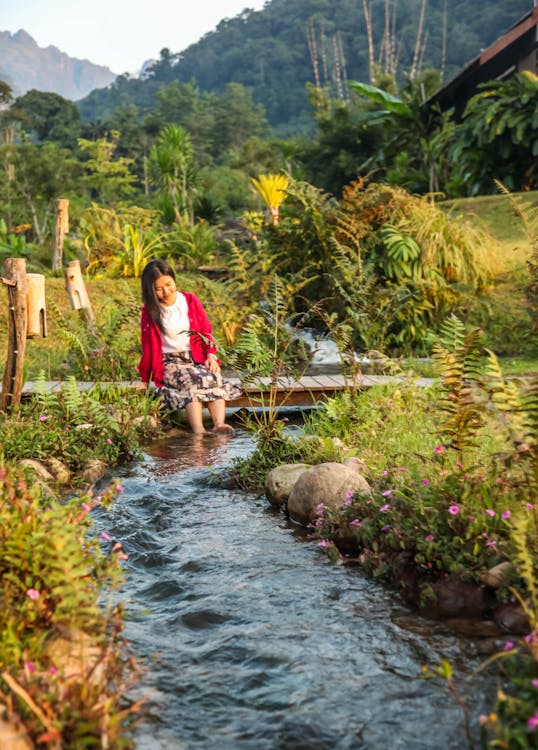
(47, 116)
(40, 175)
(107, 179)
(171, 160)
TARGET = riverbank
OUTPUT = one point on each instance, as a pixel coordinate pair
(64, 664)
(451, 517)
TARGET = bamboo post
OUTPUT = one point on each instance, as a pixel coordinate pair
(37, 316)
(15, 280)
(76, 289)
(61, 228)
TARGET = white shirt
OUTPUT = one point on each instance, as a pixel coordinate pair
(176, 324)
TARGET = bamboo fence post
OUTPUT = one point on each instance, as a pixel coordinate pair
(78, 296)
(61, 228)
(15, 281)
(37, 315)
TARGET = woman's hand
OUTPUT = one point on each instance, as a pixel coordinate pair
(212, 363)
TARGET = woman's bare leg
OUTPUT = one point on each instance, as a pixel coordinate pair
(217, 409)
(194, 415)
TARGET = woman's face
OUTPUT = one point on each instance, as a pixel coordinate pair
(165, 289)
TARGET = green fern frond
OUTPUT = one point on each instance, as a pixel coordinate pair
(525, 560)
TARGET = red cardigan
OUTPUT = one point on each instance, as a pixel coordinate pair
(151, 361)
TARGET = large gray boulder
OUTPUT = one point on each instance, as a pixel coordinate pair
(280, 482)
(326, 483)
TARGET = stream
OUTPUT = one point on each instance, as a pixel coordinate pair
(250, 639)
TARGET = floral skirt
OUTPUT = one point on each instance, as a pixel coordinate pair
(184, 381)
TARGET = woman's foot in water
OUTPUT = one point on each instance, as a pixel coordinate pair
(223, 429)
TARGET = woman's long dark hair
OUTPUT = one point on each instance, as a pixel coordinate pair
(154, 270)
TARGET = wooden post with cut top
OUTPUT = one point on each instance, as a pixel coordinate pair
(61, 228)
(78, 296)
(15, 281)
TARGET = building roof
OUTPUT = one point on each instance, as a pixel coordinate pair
(500, 60)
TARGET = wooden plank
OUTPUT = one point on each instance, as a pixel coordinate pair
(305, 391)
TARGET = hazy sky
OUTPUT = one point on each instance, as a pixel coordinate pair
(120, 34)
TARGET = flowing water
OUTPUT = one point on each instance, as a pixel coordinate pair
(250, 638)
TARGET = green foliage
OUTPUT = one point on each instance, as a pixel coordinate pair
(119, 242)
(528, 217)
(76, 426)
(497, 138)
(102, 350)
(54, 573)
(267, 352)
(47, 116)
(105, 177)
(172, 164)
(266, 51)
(458, 358)
(193, 245)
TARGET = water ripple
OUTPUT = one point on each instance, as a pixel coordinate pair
(250, 639)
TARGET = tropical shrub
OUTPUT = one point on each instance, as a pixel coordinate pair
(497, 139)
(75, 426)
(54, 573)
(119, 242)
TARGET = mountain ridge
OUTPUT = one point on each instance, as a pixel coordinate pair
(24, 65)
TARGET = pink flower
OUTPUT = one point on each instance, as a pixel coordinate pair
(385, 528)
(425, 482)
(491, 543)
(349, 494)
(532, 722)
(86, 367)
(105, 536)
(86, 507)
(32, 594)
(53, 671)
(109, 441)
(429, 538)
(535, 683)
(120, 488)
(439, 449)
(42, 418)
(530, 506)
(30, 666)
(506, 514)
(490, 512)
(324, 543)
(508, 646)
(384, 508)
(387, 493)
(320, 510)
(346, 504)
(453, 509)
(384, 473)
(355, 522)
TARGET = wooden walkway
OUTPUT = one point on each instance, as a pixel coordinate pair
(306, 391)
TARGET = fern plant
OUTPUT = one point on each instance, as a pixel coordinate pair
(458, 358)
(106, 349)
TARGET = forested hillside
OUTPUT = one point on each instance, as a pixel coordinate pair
(275, 52)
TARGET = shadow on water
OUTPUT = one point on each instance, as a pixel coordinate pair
(250, 638)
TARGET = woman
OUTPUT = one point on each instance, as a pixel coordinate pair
(179, 351)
